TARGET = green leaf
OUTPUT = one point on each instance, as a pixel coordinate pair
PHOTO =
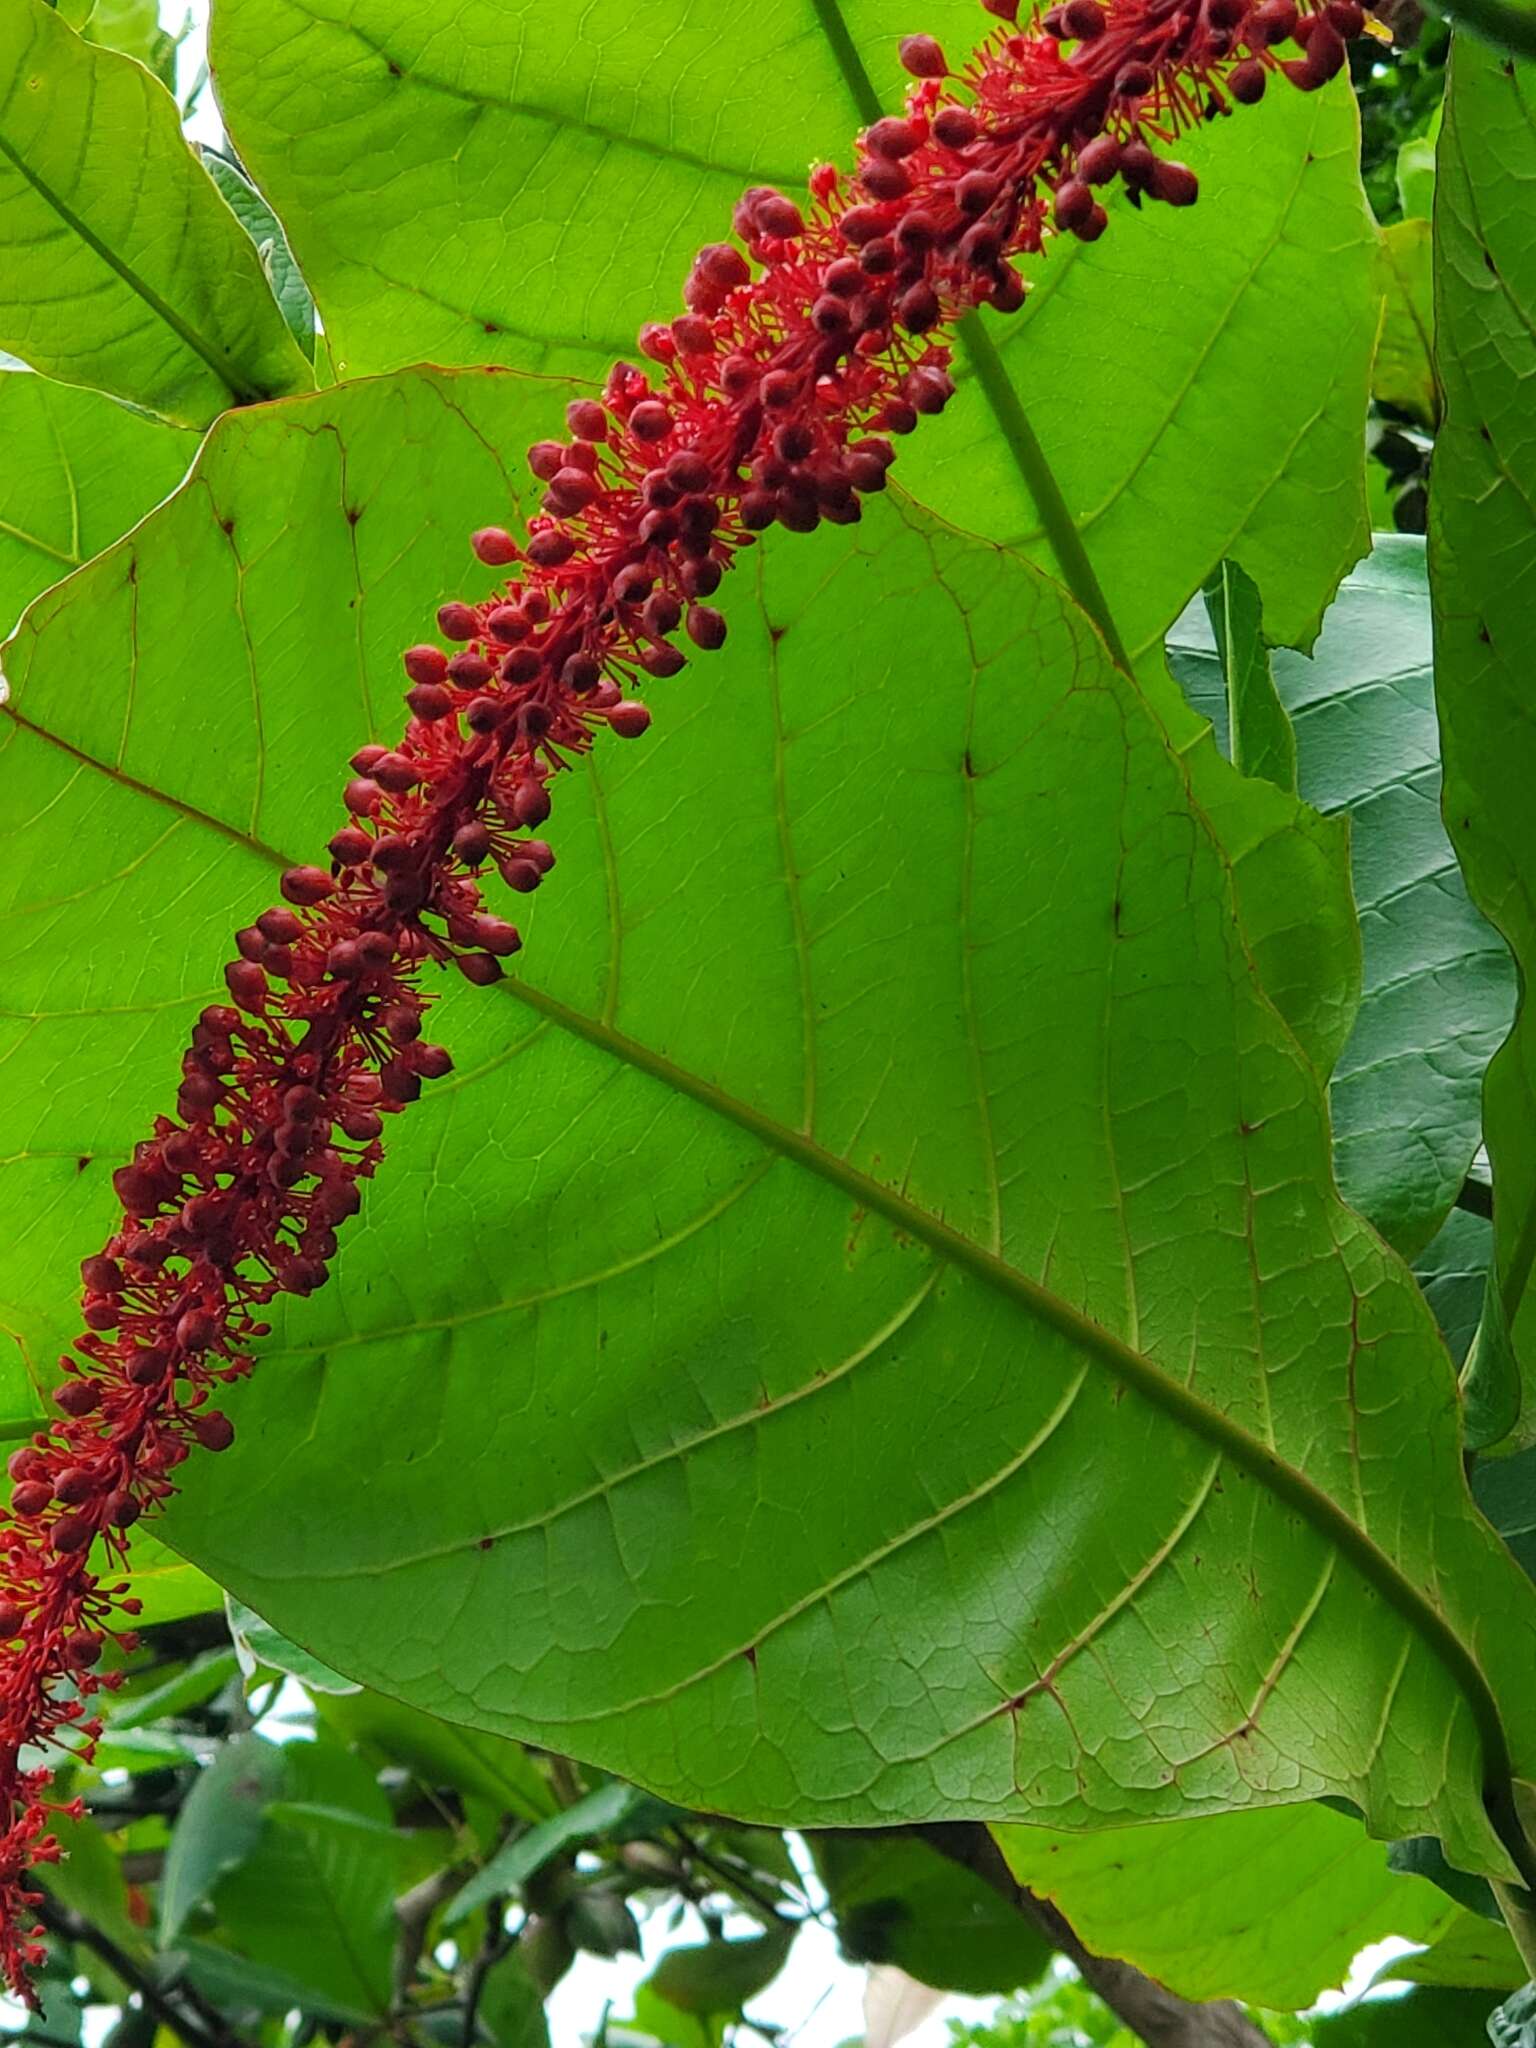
(314, 1897)
(169, 1587)
(266, 231)
(79, 470)
(89, 1878)
(600, 1812)
(1268, 1907)
(1452, 1269)
(1406, 1095)
(1483, 570)
(721, 1976)
(1505, 1490)
(1431, 2017)
(198, 1683)
(218, 1826)
(1422, 1856)
(510, 193)
(257, 1642)
(1260, 737)
(1032, 1266)
(655, 2023)
(1472, 1952)
(1404, 374)
(232, 1981)
(1416, 172)
(511, 2012)
(123, 268)
(896, 1900)
(440, 1753)
(1490, 1380)
(132, 26)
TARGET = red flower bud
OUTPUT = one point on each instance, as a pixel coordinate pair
(922, 56)
(494, 546)
(425, 664)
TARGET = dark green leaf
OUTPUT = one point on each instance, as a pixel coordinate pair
(314, 1898)
(721, 1976)
(896, 1900)
(218, 1827)
(1452, 1269)
(1427, 2018)
(1422, 1856)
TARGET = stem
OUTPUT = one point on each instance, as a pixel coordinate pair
(1156, 2015)
(1060, 527)
(204, 2030)
(1519, 1910)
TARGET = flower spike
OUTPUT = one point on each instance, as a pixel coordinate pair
(775, 399)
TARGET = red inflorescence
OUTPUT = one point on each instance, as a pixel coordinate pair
(801, 353)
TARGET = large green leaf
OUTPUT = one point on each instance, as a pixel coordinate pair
(1270, 1907)
(124, 269)
(510, 193)
(829, 1250)
(1439, 987)
(78, 471)
(1483, 570)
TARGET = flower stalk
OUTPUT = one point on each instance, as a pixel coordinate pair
(809, 346)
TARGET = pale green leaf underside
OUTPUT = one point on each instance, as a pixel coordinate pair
(1483, 569)
(1406, 1094)
(1270, 1907)
(124, 269)
(496, 189)
(704, 1392)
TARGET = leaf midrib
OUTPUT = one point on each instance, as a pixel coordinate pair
(1101, 1347)
(239, 388)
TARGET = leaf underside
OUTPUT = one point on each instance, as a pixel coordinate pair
(876, 1282)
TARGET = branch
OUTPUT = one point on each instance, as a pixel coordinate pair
(205, 2028)
(1158, 2016)
(413, 1913)
(492, 1948)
